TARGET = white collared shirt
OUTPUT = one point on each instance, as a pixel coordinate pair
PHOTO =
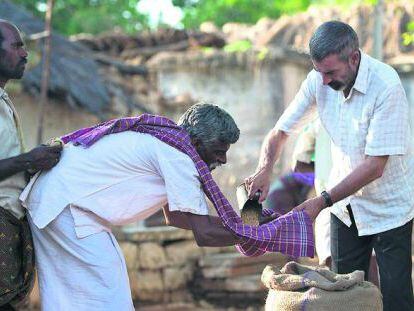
(373, 120)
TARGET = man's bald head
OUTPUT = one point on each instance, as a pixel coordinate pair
(6, 26)
(13, 55)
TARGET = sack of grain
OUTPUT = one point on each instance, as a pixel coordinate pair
(301, 288)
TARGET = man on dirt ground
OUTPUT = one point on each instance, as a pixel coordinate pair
(16, 250)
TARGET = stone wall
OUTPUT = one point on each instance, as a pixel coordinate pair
(168, 271)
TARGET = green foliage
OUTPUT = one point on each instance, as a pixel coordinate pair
(207, 49)
(95, 16)
(261, 55)
(248, 11)
(91, 16)
(408, 36)
(238, 46)
(343, 3)
(243, 11)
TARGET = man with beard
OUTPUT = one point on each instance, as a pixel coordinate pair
(362, 105)
(16, 269)
(115, 177)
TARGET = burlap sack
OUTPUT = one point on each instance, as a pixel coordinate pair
(300, 288)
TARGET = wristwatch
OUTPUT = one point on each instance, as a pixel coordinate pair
(328, 201)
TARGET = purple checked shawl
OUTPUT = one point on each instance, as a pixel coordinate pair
(290, 234)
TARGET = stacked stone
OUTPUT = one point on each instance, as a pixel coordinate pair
(168, 271)
(161, 263)
(231, 280)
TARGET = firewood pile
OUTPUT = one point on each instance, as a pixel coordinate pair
(146, 44)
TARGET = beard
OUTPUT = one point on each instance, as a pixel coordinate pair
(213, 166)
(337, 85)
(13, 73)
(347, 82)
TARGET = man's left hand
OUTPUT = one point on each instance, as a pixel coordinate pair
(312, 207)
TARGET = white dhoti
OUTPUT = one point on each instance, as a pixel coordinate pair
(79, 274)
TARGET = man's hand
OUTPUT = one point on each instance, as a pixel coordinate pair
(270, 152)
(42, 157)
(312, 207)
(259, 181)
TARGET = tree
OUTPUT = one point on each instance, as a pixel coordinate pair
(408, 36)
(90, 16)
(247, 11)
(243, 11)
(96, 16)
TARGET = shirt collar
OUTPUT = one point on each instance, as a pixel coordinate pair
(2, 92)
(361, 81)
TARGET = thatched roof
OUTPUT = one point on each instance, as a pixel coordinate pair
(105, 73)
(145, 44)
(74, 73)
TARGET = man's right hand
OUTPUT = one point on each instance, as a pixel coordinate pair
(42, 157)
(259, 181)
(271, 148)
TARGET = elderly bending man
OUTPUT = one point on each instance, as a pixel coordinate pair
(121, 178)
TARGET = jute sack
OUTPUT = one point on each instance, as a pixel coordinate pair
(300, 288)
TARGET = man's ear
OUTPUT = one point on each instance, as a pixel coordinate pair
(196, 142)
(354, 57)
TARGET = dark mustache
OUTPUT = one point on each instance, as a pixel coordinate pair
(23, 61)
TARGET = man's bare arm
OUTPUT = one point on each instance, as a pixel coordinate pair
(207, 230)
(269, 154)
(42, 157)
(12, 166)
(369, 170)
(176, 219)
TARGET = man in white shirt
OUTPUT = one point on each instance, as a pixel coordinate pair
(362, 105)
(122, 178)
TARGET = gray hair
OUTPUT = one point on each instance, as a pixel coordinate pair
(210, 124)
(333, 37)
